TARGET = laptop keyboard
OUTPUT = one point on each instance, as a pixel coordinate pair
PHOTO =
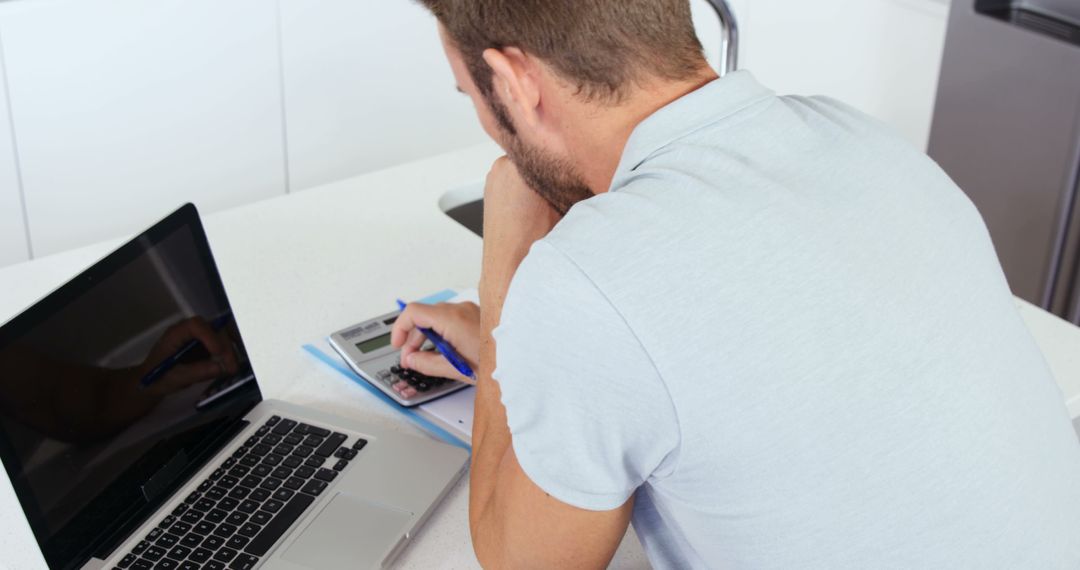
(237, 514)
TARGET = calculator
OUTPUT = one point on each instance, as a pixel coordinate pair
(367, 350)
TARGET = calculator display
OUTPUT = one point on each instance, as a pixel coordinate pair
(374, 344)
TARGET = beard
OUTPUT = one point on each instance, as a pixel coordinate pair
(553, 177)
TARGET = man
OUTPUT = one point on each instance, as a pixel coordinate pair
(764, 329)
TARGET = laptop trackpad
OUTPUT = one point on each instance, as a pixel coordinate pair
(349, 533)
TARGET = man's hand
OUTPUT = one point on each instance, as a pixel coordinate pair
(515, 217)
(458, 323)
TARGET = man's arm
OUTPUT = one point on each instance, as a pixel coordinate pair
(514, 523)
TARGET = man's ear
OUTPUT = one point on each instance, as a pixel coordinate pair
(516, 82)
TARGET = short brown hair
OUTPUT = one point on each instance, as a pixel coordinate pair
(601, 46)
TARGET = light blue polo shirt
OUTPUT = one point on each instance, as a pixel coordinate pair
(786, 333)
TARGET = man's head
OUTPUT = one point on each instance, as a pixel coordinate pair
(534, 67)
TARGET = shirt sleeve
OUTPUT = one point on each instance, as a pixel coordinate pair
(589, 416)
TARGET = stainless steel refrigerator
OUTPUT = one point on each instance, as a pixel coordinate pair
(1007, 129)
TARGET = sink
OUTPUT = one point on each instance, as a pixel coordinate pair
(465, 205)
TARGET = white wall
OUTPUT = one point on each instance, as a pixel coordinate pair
(881, 56)
(366, 87)
(14, 245)
(123, 109)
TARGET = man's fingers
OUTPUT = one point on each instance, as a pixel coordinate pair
(432, 363)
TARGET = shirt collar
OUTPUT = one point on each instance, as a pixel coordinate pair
(709, 104)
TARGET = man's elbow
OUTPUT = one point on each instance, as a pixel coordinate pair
(488, 546)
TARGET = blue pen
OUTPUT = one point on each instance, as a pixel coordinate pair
(444, 348)
(160, 370)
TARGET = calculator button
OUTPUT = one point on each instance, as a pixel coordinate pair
(383, 374)
(399, 386)
(396, 370)
(408, 392)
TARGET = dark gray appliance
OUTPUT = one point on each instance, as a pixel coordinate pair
(1007, 129)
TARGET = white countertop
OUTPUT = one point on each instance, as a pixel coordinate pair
(303, 265)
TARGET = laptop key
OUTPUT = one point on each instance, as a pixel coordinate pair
(260, 449)
(326, 475)
(360, 443)
(225, 554)
(251, 481)
(238, 542)
(262, 431)
(214, 565)
(187, 565)
(216, 516)
(273, 459)
(272, 506)
(249, 460)
(292, 462)
(303, 451)
(142, 564)
(225, 530)
(282, 495)
(179, 552)
(181, 528)
(228, 481)
(204, 528)
(249, 529)
(228, 504)
(213, 542)
(282, 472)
(306, 471)
(341, 464)
(154, 553)
(260, 518)
(237, 518)
(167, 540)
(239, 493)
(292, 439)
(204, 505)
(126, 561)
(330, 445)
(154, 534)
(166, 564)
(261, 471)
(283, 427)
(200, 555)
(244, 562)
(260, 495)
(191, 517)
(191, 540)
(248, 507)
(293, 483)
(314, 461)
(273, 420)
(271, 483)
(345, 453)
(318, 431)
(314, 487)
(168, 521)
(262, 543)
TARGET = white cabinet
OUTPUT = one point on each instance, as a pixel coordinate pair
(366, 87)
(13, 241)
(881, 56)
(124, 109)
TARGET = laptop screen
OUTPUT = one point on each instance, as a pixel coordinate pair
(117, 387)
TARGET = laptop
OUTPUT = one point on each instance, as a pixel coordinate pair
(135, 435)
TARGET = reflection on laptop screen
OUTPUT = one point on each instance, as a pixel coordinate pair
(115, 388)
